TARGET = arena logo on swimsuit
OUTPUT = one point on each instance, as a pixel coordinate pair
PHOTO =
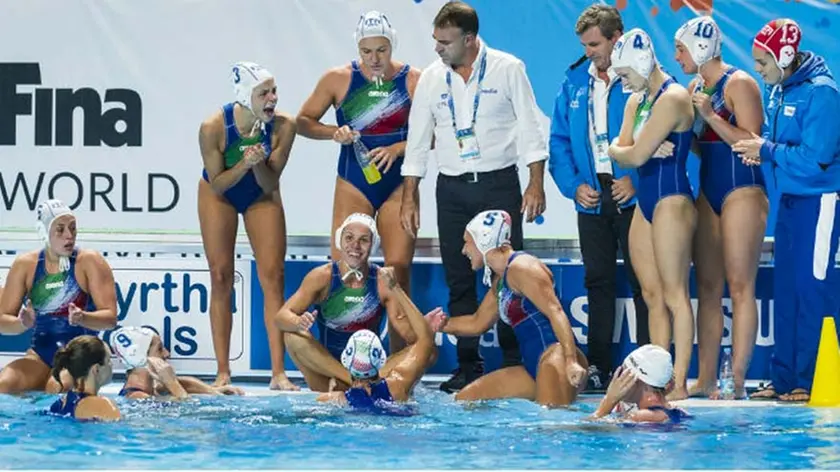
(121, 125)
(626, 311)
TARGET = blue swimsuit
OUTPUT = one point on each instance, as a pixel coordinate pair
(379, 401)
(532, 328)
(67, 406)
(51, 296)
(380, 114)
(658, 177)
(244, 193)
(721, 171)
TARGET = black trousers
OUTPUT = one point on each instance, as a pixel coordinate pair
(459, 199)
(600, 236)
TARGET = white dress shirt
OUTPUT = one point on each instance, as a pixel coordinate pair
(600, 92)
(507, 125)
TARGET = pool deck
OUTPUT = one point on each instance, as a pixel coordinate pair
(259, 388)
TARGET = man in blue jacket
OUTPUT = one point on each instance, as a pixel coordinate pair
(588, 113)
(802, 149)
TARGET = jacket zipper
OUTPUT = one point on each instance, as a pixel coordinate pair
(590, 90)
(775, 123)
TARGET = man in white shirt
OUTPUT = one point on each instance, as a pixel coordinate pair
(588, 112)
(479, 138)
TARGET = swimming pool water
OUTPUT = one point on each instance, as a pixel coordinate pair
(291, 431)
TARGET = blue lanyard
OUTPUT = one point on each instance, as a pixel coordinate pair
(592, 117)
(481, 69)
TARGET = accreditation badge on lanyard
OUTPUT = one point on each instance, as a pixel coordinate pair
(467, 141)
(602, 140)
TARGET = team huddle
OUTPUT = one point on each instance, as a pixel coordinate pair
(67, 295)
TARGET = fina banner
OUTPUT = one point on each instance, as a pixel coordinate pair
(172, 297)
(109, 123)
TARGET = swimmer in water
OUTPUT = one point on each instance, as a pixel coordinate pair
(87, 361)
(245, 147)
(149, 374)
(377, 381)
(638, 388)
(68, 291)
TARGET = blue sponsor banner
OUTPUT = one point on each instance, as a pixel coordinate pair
(429, 290)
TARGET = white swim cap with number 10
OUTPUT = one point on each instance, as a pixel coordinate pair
(701, 37)
(635, 51)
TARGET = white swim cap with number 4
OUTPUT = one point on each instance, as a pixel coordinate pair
(635, 51)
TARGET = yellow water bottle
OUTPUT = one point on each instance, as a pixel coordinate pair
(369, 168)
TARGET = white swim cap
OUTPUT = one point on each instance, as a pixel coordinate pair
(246, 76)
(363, 219)
(46, 214)
(701, 37)
(489, 229)
(363, 356)
(634, 50)
(131, 345)
(375, 25)
(651, 364)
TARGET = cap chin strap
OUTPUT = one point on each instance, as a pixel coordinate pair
(351, 271)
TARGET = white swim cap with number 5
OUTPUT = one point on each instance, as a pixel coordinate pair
(489, 229)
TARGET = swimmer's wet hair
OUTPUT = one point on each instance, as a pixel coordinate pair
(78, 356)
